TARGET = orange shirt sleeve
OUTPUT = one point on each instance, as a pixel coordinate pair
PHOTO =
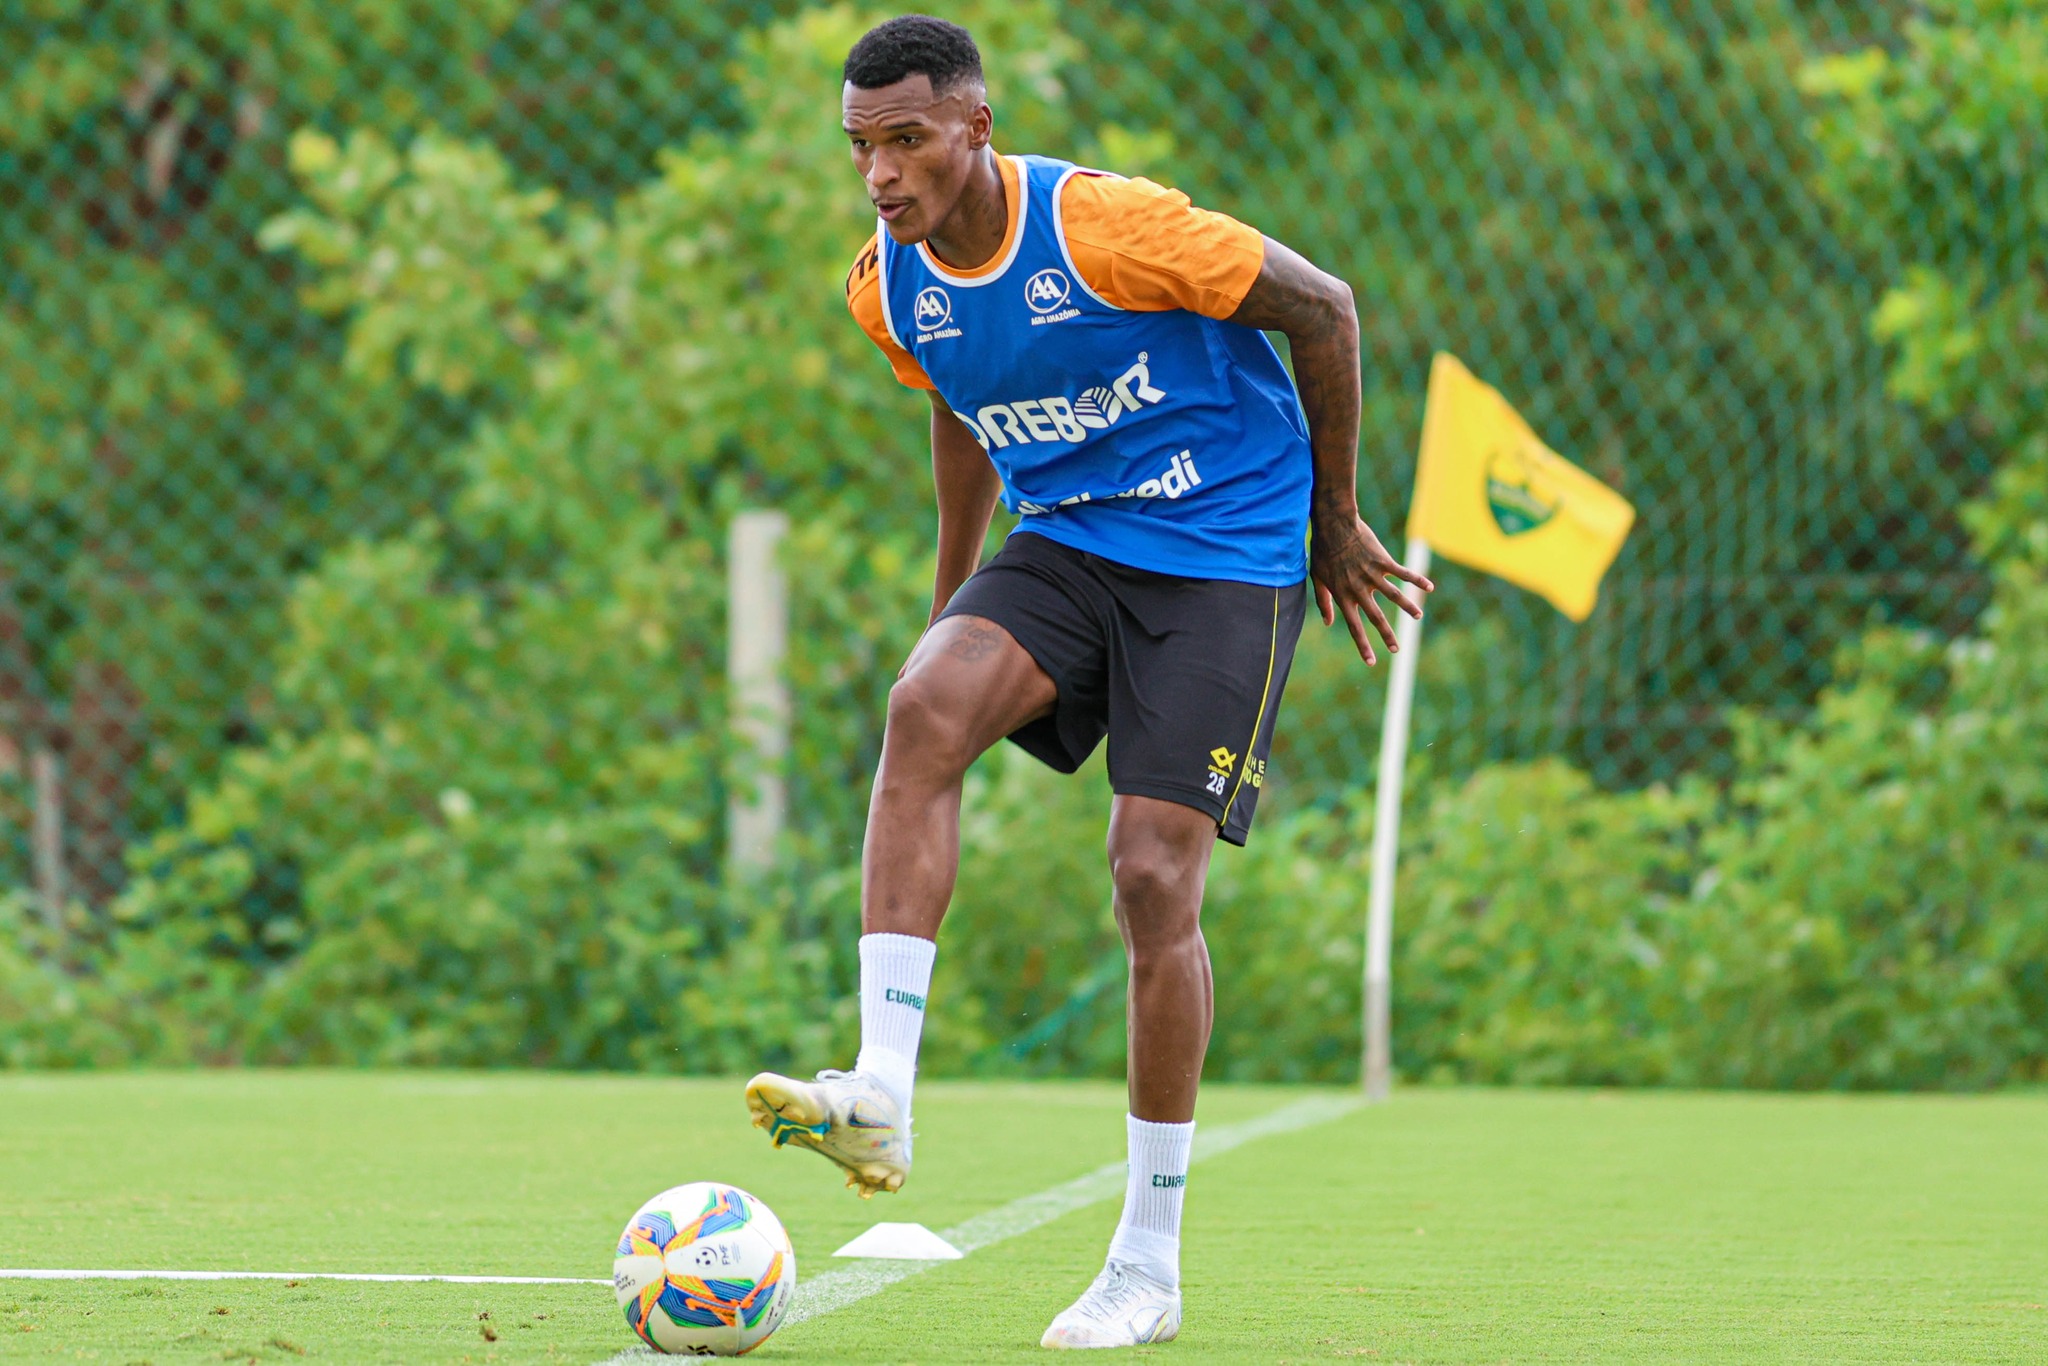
(864, 301)
(1144, 247)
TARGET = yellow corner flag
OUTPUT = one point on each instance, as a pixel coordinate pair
(1489, 494)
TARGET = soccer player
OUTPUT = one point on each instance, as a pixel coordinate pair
(1093, 350)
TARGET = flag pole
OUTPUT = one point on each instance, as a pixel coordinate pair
(1386, 838)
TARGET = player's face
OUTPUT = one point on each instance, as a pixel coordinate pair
(915, 151)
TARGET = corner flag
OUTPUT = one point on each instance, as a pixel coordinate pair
(1490, 495)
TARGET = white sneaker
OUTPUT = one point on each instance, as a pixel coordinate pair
(848, 1117)
(1123, 1308)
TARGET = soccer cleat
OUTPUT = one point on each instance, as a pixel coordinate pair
(1123, 1308)
(849, 1117)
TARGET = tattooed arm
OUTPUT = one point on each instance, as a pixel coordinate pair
(1346, 559)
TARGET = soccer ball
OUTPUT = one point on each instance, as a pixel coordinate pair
(704, 1270)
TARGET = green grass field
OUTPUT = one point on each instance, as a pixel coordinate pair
(1446, 1226)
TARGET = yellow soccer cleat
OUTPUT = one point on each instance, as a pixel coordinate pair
(848, 1117)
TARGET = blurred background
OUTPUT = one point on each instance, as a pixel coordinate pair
(380, 381)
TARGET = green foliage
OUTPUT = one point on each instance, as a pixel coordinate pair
(1870, 910)
(177, 439)
(1936, 152)
(1892, 864)
(1608, 210)
(178, 436)
(469, 720)
(1543, 925)
(407, 378)
(1867, 905)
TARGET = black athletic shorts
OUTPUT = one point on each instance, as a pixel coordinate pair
(1183, 675)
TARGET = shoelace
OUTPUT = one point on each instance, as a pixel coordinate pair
(1114, 1292)
(834, 1074)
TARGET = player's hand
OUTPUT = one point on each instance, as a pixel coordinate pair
(1349, 565)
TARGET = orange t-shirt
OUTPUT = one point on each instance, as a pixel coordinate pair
(1138, 245)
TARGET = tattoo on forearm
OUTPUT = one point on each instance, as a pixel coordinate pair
(1293, 297)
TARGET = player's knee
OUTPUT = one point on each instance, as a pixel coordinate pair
(925, 728)
(1158, 892)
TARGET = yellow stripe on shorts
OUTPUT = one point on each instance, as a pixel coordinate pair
(1244, 768)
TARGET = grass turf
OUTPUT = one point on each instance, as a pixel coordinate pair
(1451, 1226)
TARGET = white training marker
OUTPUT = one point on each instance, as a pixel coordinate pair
(902, 1243)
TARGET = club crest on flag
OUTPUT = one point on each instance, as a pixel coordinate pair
(1490, 494)
(1512, 493)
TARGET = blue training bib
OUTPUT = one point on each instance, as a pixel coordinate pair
(1166, 441)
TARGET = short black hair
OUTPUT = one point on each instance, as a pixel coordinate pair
(914, 45)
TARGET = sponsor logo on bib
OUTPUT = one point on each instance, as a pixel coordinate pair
(932, 311)
(934, 308)
(1046, 293)
(1175, 480)
(1057, 418)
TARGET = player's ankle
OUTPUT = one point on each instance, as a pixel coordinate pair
(895, 1073)
(1157, 1255)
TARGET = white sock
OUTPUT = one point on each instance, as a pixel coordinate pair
(895, 977)
(1148, 1236)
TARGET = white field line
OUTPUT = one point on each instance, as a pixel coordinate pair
(835, 1290)
(6, 1275)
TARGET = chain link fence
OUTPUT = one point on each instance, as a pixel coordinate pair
(1606, 209)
